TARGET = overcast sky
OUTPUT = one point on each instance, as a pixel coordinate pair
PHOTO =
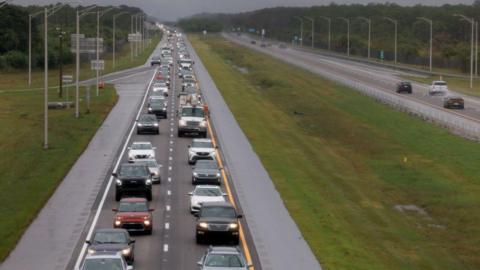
(174, 9)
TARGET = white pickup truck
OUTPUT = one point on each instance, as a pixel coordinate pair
(438, 88)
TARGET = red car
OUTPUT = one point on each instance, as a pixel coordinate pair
(134, 215)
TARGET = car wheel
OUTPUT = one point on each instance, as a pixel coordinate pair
(118, 196)
(149, 196)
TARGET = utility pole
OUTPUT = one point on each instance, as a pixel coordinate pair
(60, 39)
(313, 30)
(430, 22)
(114, 36)
(80, 13)
(329, 20)
(348, 33)
(369, 22)
(395, 22)
(472, 22)
(301, 30)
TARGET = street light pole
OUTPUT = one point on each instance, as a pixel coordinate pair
(395, 22)
(301, 30)
(115, 16)
(131, 42)
(313, 30)
(472, 22)
(99, 14)
(348, 33)
(430, 22)
(329, 20)
(369, 22)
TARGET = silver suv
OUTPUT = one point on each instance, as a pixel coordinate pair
(201, 149)
(106, 261)
(223, 258)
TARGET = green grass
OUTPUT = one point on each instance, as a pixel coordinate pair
(18, 79)
(456, 84)
(342, 162)
(29, 174)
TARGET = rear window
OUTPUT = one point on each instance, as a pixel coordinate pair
(134, 170)
(440, 83)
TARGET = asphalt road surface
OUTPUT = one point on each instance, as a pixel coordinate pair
(172, 244)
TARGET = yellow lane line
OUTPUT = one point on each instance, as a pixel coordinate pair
(230, 195)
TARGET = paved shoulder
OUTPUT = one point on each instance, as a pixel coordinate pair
(276, 237)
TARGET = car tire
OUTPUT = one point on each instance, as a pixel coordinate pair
(118, 196)
(235, 241)
(149, 195)
(149, 232)
(199, 239)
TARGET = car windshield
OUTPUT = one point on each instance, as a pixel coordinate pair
(109, 238)
(440, 83)
(188, 80)
(223, 260)
(133, 207)
(201, 144)
(210, 192)
(141, 146)
(206, 165)
(157, 103)
(148, 162)
(217, 211)
(161, 84)
(147, 118)
(103, 264)
(194, 112)
(134, 170)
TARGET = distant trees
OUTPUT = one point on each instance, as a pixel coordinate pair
(451, 35)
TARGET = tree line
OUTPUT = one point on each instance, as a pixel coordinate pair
(14, 33)
(451, 36)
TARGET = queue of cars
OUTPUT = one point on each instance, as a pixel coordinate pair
(217, 220)
(437, 88)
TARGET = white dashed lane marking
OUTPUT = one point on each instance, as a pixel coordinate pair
(167, 226)
(165, 248)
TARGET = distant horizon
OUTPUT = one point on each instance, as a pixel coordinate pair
(166, 10)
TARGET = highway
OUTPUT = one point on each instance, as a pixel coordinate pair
(380, 78)
(172, 244)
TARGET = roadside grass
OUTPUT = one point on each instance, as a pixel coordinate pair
(18, 79)
(343, 163)
(459, 85)
(29, 174)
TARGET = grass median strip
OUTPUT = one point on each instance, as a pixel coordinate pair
(369, 187)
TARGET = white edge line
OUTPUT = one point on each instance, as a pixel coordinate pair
(104, 197)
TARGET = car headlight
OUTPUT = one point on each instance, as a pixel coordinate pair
(164, 109)
(195, 174)
(148, 182)
(118, 182)
(233, 225)
(203, 123)
(203, 225)
(126, 251)
(91, 251)
(118, 222)
(155, 125)
(182, 122)
(140, 125)
(146, 222)
(218, 175)
(150, 109)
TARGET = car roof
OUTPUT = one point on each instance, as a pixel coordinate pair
(223, 249)
(202, 140)
(439, 82)
(107, 230)
(207, 186)
(133, 199)
(103, 254)
(141, 143)
(220, 204)
(206, 161)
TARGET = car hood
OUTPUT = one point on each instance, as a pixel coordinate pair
(201, 199)
(132, 214)
(192, 118)
(140, 152)
(206, 171)
(199, 149)
(108, 247)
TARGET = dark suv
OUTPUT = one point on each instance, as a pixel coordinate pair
(158, 107)
(147, 123)
(217, 219)
(206, 172)
(156, 60)
(404, 87)
(133, 179)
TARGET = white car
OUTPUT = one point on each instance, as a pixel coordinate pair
(160, 87)
(438, 88)
(105, 260)
(201, 149)
(141, 150)
(205, 193)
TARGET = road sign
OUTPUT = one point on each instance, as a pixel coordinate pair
(67, 78)
(86, 45)
(97, 66)
(134, 37)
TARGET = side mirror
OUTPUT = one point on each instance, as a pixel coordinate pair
(224, 194)
(114, 174)
(154, 148)
(129, 267)
(239, 216)
(250, 265)
(216, 147)
(88, 242)
(132, 241)
(129, 148)
(199, 263)
(188, 146)
(196, 214)
(152, 174)
(190, 193)
(151, 210)
(114, 209)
